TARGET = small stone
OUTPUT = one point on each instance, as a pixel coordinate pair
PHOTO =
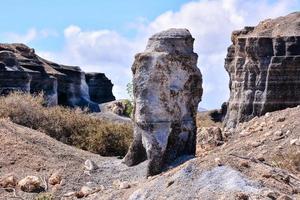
(267, 175)
(281, 119)
(8, 182)
(218, 161)
(278, 133)
(30, 184)
(245, 164)
(267, 114)
(272, 195)
(241, 196)
(256, 143)
(86, 190)
(124, 185)
(260, 158)
(90, 165)
(170, 183)
(55, 179)
(69, 194)
(293, 141)
(288, 132)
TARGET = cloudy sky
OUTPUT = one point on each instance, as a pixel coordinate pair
(104, 35)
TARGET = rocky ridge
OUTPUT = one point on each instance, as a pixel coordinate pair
(22, 70)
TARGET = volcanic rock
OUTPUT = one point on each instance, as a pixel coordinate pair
(23, 70)
(167, 89)
(100, 87)
(263, 64)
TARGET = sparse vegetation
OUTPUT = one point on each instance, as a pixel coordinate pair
(71, 126)
(128, 108)
(290, 160)
(204, 119)
(44, 196)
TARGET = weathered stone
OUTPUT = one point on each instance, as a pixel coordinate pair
(167, 90)
(30, 184)
(100, 87)
(263, 64)
(22, 70)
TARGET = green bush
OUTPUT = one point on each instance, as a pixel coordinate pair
(71, 126)
(128, 108)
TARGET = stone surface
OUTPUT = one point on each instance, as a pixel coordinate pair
(30, 184)
(100, 87)
(263, 64)
(167, 88)
(23, 70)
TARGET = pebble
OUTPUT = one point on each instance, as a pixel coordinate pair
(55, 179)
(8, 182)
(90, 165)
(281, 119)
(124, 185)
(295, 142)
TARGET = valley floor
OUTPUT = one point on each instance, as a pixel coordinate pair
(260, 161)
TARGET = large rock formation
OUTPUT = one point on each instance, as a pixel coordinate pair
(22, 70)
(264, 68)
(100, 87)
(167, 89)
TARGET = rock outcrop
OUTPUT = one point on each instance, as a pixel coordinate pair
(22, 70)
(100, 87)
(167, 88)
(263, 64)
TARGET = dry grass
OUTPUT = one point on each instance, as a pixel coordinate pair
(71, 126)
(289, 160)
(204, 119)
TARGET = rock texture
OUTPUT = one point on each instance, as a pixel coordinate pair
(263, 64)
(167, 88)
(22, 70)
(100, 87)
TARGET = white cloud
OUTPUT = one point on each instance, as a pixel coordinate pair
(210, 22)
(31, 35)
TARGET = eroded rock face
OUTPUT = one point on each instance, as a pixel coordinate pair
(167, 89)
(22, 70)
(100, 87)
(263, 64)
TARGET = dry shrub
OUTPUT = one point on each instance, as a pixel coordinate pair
(204, 119)
(71, 126)
(289, 160)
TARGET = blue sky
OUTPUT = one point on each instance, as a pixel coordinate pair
(104, 35)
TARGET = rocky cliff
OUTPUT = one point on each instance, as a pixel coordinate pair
(263, 64)
(22, 70)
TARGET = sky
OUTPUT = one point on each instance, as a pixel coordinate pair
(104, 35)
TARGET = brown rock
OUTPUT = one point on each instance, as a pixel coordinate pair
(30, 184)
(8, 182)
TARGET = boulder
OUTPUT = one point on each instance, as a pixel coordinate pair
(263, 64)
(23, 70)
(167, 88)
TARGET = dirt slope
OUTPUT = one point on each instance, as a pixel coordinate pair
(260, 161)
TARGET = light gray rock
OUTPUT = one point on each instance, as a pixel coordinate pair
(167, 89)
(192, 183)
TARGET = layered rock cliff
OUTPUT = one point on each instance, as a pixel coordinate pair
(22, 70)
(167, 88)
(263, 64)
